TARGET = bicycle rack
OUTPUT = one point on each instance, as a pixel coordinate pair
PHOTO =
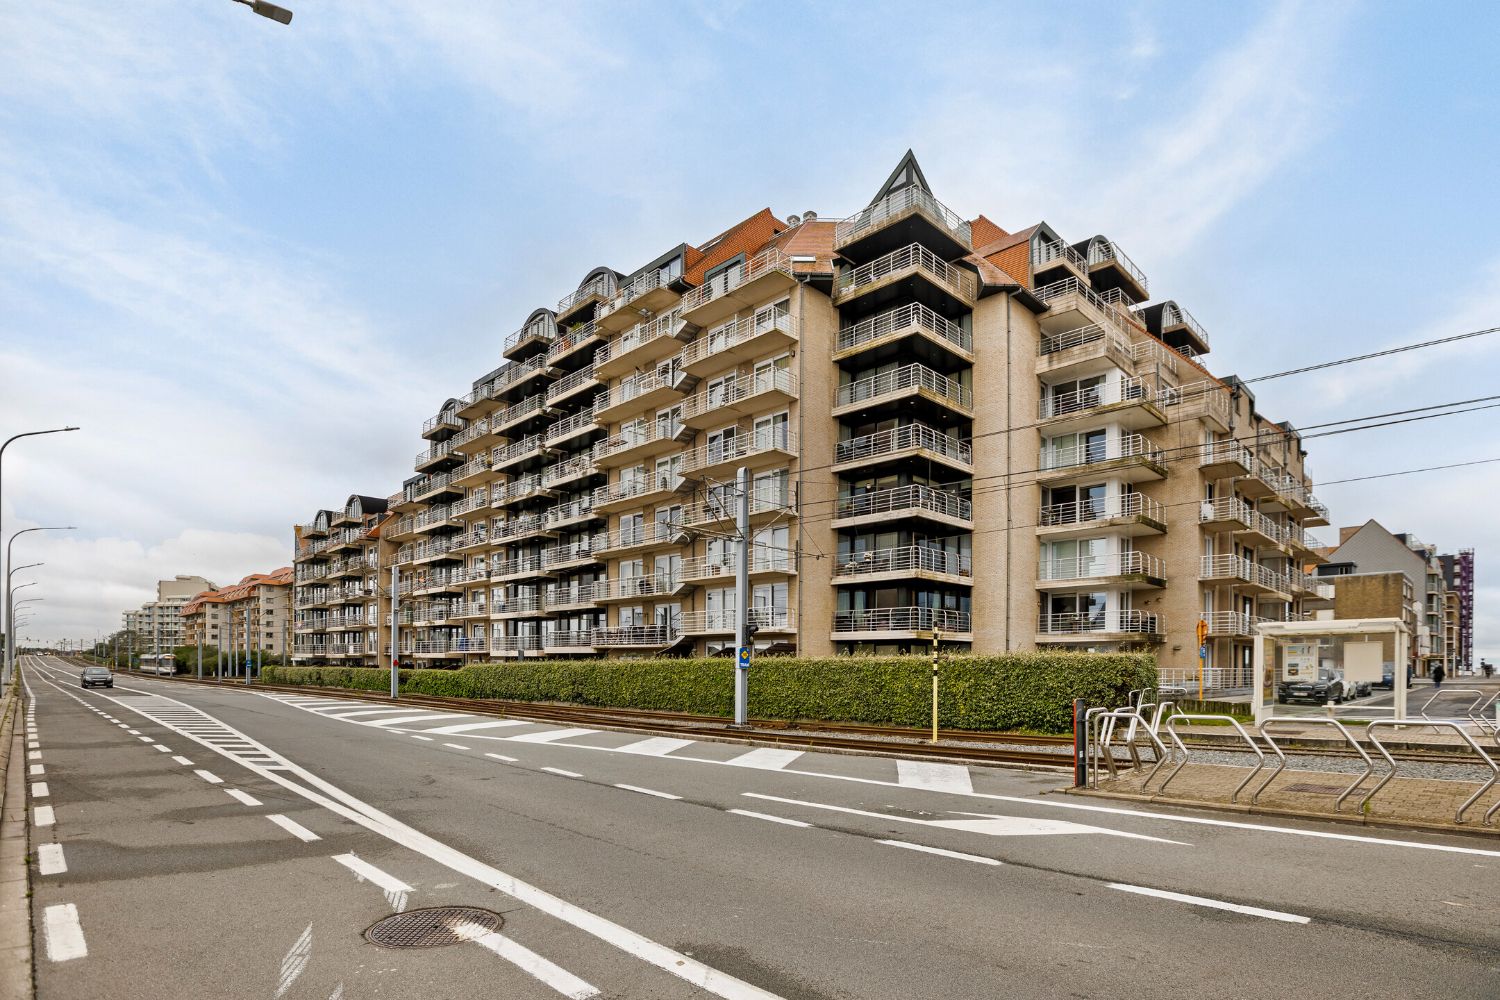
(1172, 731)
(1469, 714)
(1457, 727)
(1106, 722)
(1338, 803)
(1485, 724)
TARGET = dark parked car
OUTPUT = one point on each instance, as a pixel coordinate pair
(1387, 678)
(1327, 686)
(98, 677)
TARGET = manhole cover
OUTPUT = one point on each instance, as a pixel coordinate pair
(433, 927)
(1310, 789)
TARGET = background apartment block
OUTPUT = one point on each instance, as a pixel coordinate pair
(256, 612)
(158, 624)
(952, 428)
(337, 599)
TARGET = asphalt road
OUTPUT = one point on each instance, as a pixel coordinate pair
(627, 866)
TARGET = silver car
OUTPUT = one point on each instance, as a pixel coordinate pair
(97, 677)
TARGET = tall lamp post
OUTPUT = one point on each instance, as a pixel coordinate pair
(10, 633)
(16, 437)
(10, 659)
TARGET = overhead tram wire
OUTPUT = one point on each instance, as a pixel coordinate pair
(1376, 354)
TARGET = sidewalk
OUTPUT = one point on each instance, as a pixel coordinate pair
(15, 902)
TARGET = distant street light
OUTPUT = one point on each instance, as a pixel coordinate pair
(270, 10)
(15, 437)
(10, 658)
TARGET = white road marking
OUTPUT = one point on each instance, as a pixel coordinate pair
(161, 749)
(183, 761)
(240, 796)
(650, 791)
(767, 816)
(294, 962)
(501, 756)
(985, 823)
(34, 755)
(469, 727)
(210, 777)
(399, 719)
(338, 992)
(33, 745)
(296, 829)
(565, 774)
(528, 961)
(933, 777)
(456, 746)
(64, 933)
(552, 735)
(959, 855)
(50, 860)
(39, 790)
(656, 746)
(330, 709)
(145, 739)
(1216, 904)
(37, 769)
(43, 816)
(133, 732)
(765, 759)
(370, 873)
(425, 739)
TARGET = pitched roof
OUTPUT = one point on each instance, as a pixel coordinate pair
(809, 239)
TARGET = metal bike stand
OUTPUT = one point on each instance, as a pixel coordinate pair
(1172, 731)
(1338, 803)
(1457, 727)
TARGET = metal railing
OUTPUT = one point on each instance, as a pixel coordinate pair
(510, 567)
(639, 335)
(575, 593)
(543, 328)
(1103, 251)
(1224, 452)
(1107, 450)
(1043, 254)
(1457, 727)
(904, 559)
(1113, 305)
(634, 289)
(910, 198)
(914, 315)
(445, 419)
(635, 635)
(907, 437)
(744, 386)
(567, 552)
(582, 638)
(605, 284)
(572, 338)
(571, 511)
(738, 331)
(768, 260)
(904, 498)
(914, 377)
(527, 407)
(741, 446)
(562, 387)
(1175, 315)
(511, 644)
(1126, 389)
(564, 428)
(1091, 622)
(560, 472)
(909, 619)
(957, 280)
(765, 619)
(1081, 336)
(635, 387)
(1103, 509)
(1104, 565)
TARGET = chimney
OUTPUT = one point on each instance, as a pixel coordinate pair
(809, 216)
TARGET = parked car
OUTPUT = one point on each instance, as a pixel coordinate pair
(1387, 678)
(97, 677)
(1363, 688)
(1329, 685)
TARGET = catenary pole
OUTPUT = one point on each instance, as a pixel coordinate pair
(742, 599)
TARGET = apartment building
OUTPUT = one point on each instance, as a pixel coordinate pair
(255, 613)
(158, 624)
(337, 596)
(997, 437)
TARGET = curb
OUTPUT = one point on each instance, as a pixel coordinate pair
(16, 972)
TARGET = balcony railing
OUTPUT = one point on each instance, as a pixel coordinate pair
(768, 260)
(741, 387)
(903, 318)
(562, 387)
(904, 559)
(604, 284)
(1103, 509)
(561, 472)
(570, 511)
(911, 619)
(1206, 398)
(580, 421)
(741, 446)
(447, 419)
(902, 498)
(567, 552)
(907, 437)
(1105, 251)
(530, 406)
(1046, 253)
(1106, 622)
(956, 280)
(635, 635)
(1106, 565)
(764, 619)
(738, 331)
(639, 335)
(634, 289)
(543, 328)
(625, 588)
(511, 644)
(1126, 446)
(526, 604)
(577, 593)
(910, 378)
(898, 202)
(1112, 304)
(1126, 389)
(763, 559)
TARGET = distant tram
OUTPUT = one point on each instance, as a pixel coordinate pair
(159, 663)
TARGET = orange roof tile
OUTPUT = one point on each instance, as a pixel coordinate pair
(743, 238)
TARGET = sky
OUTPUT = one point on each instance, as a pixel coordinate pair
(250, 259)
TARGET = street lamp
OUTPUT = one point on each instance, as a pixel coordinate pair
(270, 10)
(16, 437)
(9, 657)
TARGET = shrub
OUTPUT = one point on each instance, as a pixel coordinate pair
(1019, 691)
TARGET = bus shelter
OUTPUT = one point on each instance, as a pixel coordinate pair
(1362, 649)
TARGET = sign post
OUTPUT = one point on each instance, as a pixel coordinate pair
(1202, 654)
(934, 686)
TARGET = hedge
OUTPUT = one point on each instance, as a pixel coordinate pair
(1021, 691)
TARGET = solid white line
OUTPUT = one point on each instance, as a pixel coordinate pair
(240, 796)
(296, 829)
(933, 776)
(183, 761)
(768, 816)
(469, 727)
(425, 739)
(501, 756)
(39, 790)
(656, 746)
(765, 759)
(370, 873)
(64, 933)
(456, 746)
(38, 769)
(650, 791)
(43, 816)
(528, 961)
(551, 735)
(210, 777)
(939, 851)
(565, 774)
(1216, 904)
(50, 860)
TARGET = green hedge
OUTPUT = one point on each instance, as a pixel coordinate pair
(1024, 691)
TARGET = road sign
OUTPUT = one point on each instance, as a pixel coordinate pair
(744, 658)
(1202, 652)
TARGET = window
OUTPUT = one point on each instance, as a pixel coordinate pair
(771, 432)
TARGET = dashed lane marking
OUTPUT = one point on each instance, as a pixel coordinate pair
(565, 774)
(39, 790)
(957, 855)
(50, 860)
(501, 756)
(650, 791)
(370, 873)
(240, 796)
(455, 746)
(296, 829)
(63, 933)
(769, 818)
(182, 760)
(1213, 904)
(424, 739)
(161, 749)
(210, 777)
(37, 769)
(43, 816)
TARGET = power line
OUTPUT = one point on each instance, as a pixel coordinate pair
(1377, 354)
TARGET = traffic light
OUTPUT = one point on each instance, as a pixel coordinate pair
(1202, 632)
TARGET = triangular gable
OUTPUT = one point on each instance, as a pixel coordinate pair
(908, 173)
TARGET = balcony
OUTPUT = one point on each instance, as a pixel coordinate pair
(887, 624)
(476, 470)
(521, 490)
(1117, 570)
(571, 514)
(912, 330)
(639, 440)
(479, 402)
(648, 391)
(1129, 514)
(580, 424)
(1073, 304)
(654, 586)
(635, 637)
(571, 473)
(575, 340)
(525, 453)
(439, 457)
(573, 597)
(753, 449)
(515, 529)
(914, 389)
(1056, 261)
(1131, 457)
(437, 520)
(763, 502)
(744, 286)
(1240, 572)
(565, 642)
(901, 502)
(1317, 516)
(1226, 512)
(764, 560)
(600, 285)
(645, 536)
(901, 444)
(1204, 400)
(515, 378)
(908, 215)
(1084, 350)
(442, 426)
(539, 331)
(742, 339)
(905, 562)
(644, 345)
(526, 606)
(743, 396)
(1231, 624)
(912, 272)
(519, 568)
(1100, 626)
(1175, 326)
(765, 620)
(1127, 401)
(583, 380)
(633, 491)
(522, 418)
(646, 293)
(572, 555)
(1226, 459)
(1111, 269)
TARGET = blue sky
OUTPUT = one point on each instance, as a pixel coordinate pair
(251, 259)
